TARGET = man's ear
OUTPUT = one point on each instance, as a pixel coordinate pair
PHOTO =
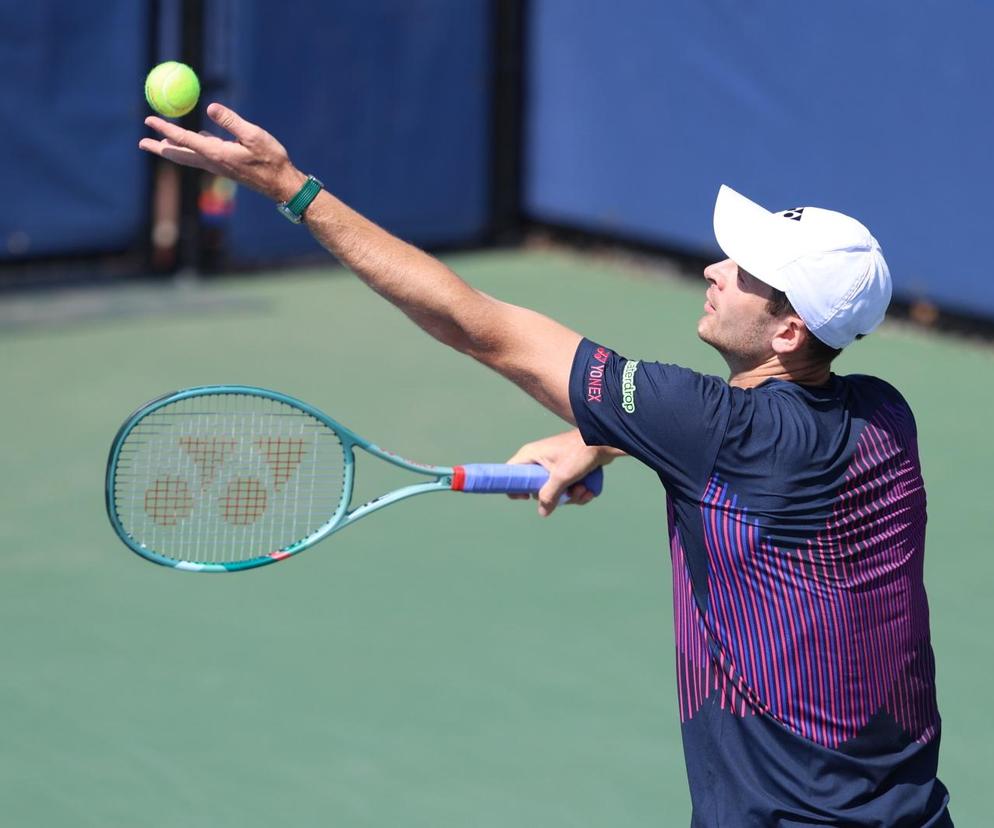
(789, 335)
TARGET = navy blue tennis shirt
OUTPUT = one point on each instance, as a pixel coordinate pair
(805, 674)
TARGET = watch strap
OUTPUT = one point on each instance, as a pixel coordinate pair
(294, 208)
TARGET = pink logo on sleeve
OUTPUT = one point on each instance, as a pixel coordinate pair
(595, 375)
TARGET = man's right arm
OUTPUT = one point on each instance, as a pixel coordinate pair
(530, 349)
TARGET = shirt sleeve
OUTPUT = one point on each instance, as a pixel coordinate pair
(671, 418)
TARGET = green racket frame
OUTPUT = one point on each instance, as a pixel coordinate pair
(442, 479)
(481, 478)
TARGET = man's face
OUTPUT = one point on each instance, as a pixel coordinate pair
(736, 322)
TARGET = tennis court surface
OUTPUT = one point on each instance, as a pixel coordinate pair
(455, 661)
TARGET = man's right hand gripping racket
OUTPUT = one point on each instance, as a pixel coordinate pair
(229, 477)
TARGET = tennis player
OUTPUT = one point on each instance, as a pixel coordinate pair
(796, 506)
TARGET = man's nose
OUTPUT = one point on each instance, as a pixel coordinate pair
(712, 273)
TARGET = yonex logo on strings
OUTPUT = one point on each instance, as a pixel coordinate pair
(245, 498)
(794, 214)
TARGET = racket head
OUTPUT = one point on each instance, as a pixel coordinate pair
(228, 477)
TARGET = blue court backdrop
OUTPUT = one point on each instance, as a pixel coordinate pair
(387, 102)
(635, 112)
(638, 110)
(71, 108)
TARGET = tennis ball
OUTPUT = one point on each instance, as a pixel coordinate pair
(172, 89)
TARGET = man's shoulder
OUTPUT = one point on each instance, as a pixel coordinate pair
(852, 395)
(871, 386)
(840, 387)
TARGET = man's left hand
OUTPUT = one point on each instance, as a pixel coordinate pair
(254, 158)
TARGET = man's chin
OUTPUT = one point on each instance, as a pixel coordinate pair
(708, 337)
(703, 330)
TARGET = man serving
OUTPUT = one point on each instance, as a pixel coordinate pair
(796, 506)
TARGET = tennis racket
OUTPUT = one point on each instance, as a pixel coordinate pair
(229, 477)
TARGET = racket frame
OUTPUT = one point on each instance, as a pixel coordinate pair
(343, 517)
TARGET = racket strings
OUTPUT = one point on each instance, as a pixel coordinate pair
(225, 478)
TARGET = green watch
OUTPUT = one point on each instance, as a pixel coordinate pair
(294, 208)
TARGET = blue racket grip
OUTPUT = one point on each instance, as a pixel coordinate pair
(512, 478)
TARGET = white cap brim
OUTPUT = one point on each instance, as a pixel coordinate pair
(745, 232)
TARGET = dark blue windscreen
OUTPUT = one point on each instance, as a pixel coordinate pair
(71, 109)
(388, 103)
(638, 110)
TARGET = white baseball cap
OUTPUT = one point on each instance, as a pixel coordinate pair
(828, 264)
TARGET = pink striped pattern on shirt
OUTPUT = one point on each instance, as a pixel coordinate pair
(823, 633)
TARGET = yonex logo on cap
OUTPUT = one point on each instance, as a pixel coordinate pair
(794, 214)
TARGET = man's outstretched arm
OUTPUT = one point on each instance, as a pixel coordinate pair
(530, 349)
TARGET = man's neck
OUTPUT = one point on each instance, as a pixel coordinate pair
(802, 372)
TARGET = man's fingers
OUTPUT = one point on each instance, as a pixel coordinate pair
(578, 494)
(182, 137)
(522, 455)
(548, 496)
(233, 122)
(186, 157)
(172, 152)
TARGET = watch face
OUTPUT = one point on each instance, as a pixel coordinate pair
(288, 213)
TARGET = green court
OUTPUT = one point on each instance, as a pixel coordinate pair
(454, 661)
